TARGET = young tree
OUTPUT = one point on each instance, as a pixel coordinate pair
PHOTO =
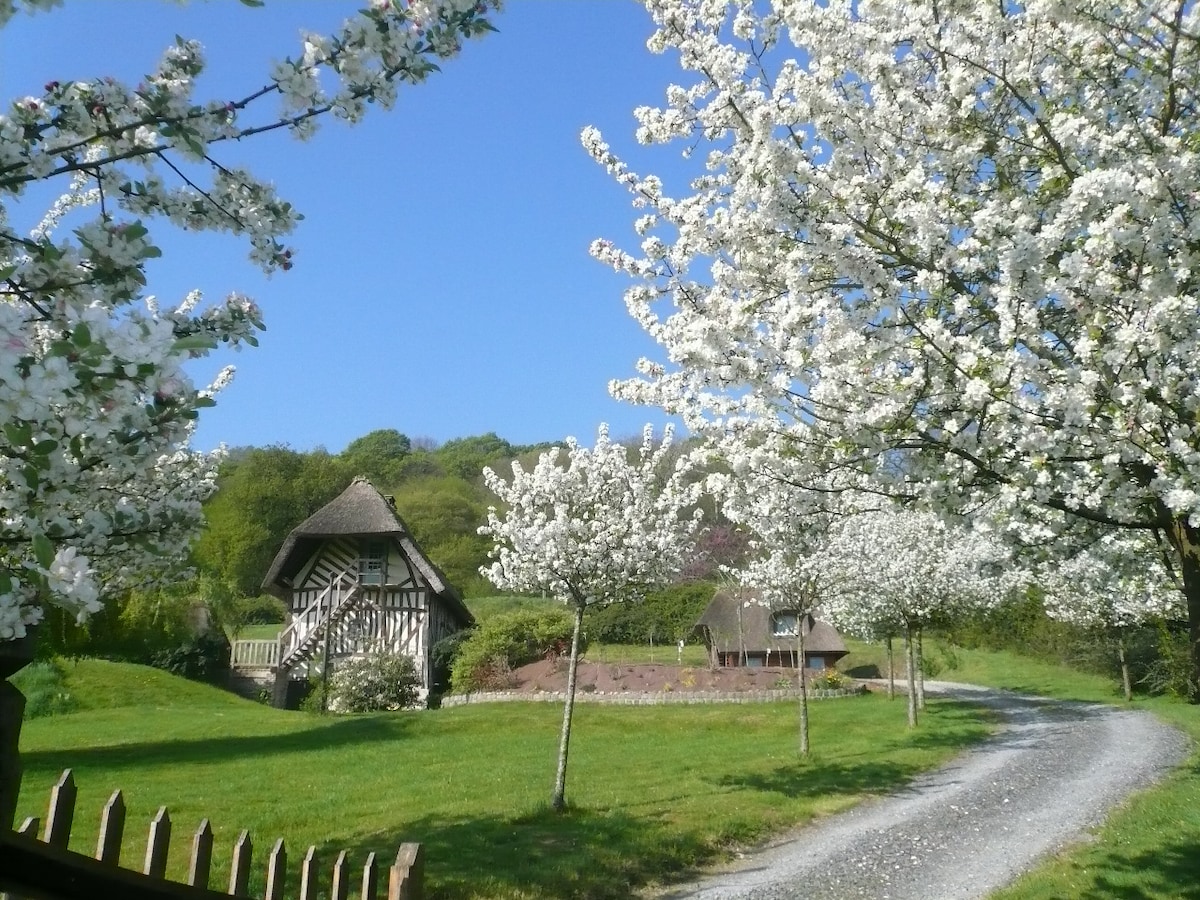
(900, 570)
(1115, 584)
(961, 235)
(96, 481)
(590, 527)
(788, 527)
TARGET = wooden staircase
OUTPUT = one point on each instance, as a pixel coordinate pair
(300, 641)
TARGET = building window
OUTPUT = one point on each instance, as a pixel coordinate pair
(816, 662)
(372, 565)
(785, 624)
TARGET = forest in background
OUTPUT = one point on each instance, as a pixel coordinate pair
(265, 492)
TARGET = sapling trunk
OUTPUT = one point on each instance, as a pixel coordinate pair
(910, 666)
(1125, 682)
(920, 669)
(891, 653)
(803, 690)
(558, 801)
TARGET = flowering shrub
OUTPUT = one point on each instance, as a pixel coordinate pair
(374, 683)
(828, 679)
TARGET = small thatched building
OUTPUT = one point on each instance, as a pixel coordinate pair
(355, 583)
(740, 631)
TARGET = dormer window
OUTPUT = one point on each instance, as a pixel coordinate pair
(372, 564)
(785, 624)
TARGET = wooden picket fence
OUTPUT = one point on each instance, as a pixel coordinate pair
(33, 869)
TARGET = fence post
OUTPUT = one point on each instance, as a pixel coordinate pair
(112, 827)
(276, 872)
(340, 887)
(370, 879)
(61, 814)
(407, 877)
(308, 875)
(158, 843)
(201, 865)
(239, 871)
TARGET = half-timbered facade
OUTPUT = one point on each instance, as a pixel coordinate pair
(356, 583)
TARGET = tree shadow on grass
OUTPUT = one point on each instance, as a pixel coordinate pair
(828, 778)
(577, 855)
(1169, 869)
(323, 735)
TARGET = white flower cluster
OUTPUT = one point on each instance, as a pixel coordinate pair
(590, 526)
(947, 250)
(1117, 581)
(97, 486)
(897, 571)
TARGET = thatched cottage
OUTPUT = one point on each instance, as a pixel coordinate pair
(740, 631)
(356, 582)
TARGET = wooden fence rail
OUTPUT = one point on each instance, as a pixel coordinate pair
(33, 869)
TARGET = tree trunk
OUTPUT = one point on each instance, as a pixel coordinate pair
(803, 691)
(1125, 683)
(14, 656)
(1186, 542)
(891, 651)
(559, 801)
(920, 669)
(910, 665)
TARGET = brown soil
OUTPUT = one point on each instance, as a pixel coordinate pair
(551, 675)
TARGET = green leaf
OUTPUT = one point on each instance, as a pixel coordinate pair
(18, 434)
(194, 342)
(253, 2)
(6, 584)
(30, 474)
(202, 402)
(82, 336)
(45, 448)
(43, 550)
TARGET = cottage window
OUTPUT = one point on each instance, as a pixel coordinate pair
(785, 624)
(372, 565)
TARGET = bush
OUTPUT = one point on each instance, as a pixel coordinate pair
(507, 641)
(201, 658)
(828, 679)
(442, 656)
(373, 683)
(44, 688)
(666, 615)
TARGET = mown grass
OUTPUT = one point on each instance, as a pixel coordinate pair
(654, 791)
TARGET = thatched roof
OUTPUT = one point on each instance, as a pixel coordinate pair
(358, 511)
(724, 632)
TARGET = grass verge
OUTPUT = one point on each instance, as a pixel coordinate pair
(654, 791)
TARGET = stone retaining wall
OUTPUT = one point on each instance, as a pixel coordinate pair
(647, 698)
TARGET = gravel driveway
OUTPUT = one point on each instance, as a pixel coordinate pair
(1049, 774)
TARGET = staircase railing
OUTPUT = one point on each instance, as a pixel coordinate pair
(298, 642)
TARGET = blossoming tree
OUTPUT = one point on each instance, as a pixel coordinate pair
(788, 527)
(897, 570)
(97, 484)
(1116, 583)
(96, 481)
(591, 527)
(961, 235)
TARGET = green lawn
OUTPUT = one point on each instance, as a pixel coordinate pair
(654, 791)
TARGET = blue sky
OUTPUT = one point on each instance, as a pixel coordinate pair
(442, 285)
